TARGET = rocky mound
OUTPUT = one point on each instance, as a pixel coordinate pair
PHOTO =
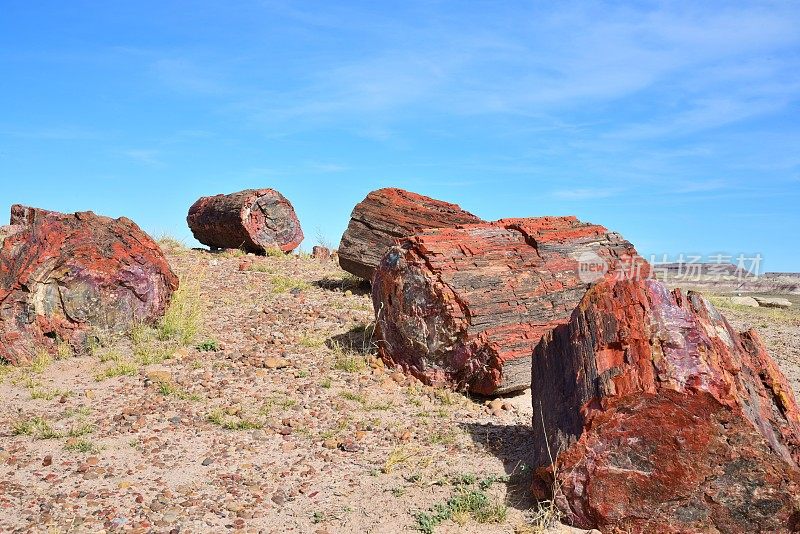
(63, 274)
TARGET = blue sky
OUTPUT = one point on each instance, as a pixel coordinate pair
(674, 123)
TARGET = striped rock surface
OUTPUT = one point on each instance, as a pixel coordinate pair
(387, 215)
(662, 418)
(254, 220)
(464, 307)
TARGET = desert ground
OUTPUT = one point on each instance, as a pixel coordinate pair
(258, 405)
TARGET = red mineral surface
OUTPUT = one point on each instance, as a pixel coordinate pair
(651, 414)
(464, 307)
(62, 275)
(387, 215)
(254, 220)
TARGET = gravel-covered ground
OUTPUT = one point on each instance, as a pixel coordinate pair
(290, 425)
(276, 417)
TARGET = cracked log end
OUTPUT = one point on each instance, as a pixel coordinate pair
(663, 418)
(463, 307)
(387, 215)
(254, 220)
(62, 275)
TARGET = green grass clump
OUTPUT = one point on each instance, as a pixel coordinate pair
(281, 401)
(229, 422)
(466, 502)
(283, 284)
(64, 350)
(41, 361)
(170, 390)
(275, 252)
(81, 445)
(183, 317)
(356, 397)
(119, 368)
(260, 268)
(209, 345)
(37, 427)
(80, 430)
(49, 394)
(349, 363)
(311, 341)
(41, 428)
(5, 370)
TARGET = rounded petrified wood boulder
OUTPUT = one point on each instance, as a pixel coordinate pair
(389, 214)
(61, 275)
(254, 220)
(463, 307)
(661, 418)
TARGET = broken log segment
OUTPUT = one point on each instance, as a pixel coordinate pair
(661, 418)
(387, 215)
(463, 307)
(63, 275)
(254, 220)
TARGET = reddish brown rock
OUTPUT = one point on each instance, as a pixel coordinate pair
(663, 418)
(255, 220)
(321, 253)
(463, 307)
(387, 215)
(61, 275)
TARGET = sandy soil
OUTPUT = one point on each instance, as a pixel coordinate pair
(290, 426)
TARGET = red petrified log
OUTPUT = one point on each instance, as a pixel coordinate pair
(463, 307)
(321, 253)
(387, 215)
(663, 419)
(255, 220)
(63, 274)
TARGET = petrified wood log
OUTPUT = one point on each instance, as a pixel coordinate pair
(254, 220)
(662, 418)
(63, 274)
(387, 215)
(463, 307)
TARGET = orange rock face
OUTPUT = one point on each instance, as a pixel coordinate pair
(61, 275)
(254, 220)
(387, 215)
(663, 418)
(463, 307)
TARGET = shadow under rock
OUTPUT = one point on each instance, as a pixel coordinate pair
(359, 340)
(511, 444)
(345, 283)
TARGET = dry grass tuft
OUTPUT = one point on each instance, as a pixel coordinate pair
(183, 317)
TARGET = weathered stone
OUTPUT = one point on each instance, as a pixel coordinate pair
(321, 253)
(255, 220)
(463, 307)
(63, 274)
(773, 302)
(387, 215)
(663, 418)
(750, 302)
